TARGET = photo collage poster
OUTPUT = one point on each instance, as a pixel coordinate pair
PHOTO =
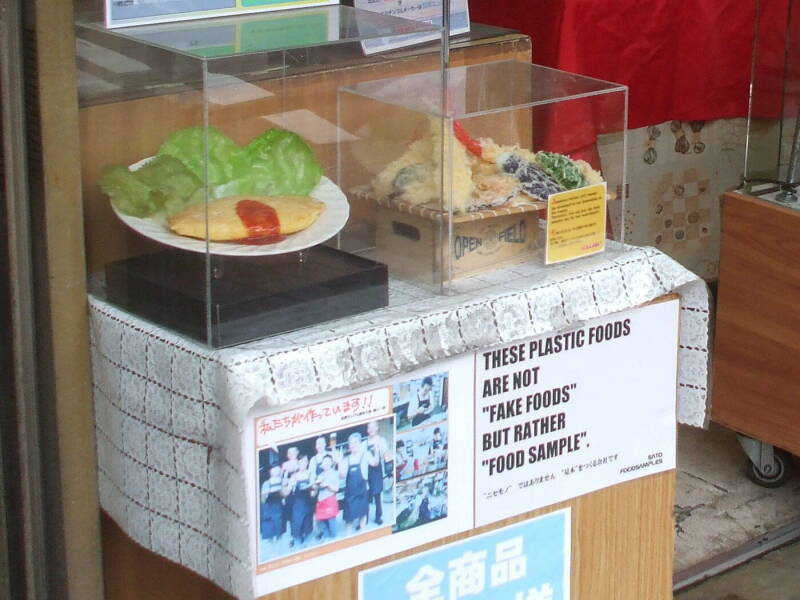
(421, 410)
(364, 474)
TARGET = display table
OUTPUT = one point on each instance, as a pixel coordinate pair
(170, 416)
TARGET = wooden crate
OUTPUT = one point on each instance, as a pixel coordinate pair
(415, 241)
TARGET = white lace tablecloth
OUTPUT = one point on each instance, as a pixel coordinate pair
(170, 412)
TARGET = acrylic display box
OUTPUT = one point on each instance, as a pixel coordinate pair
(450, 174)
(772, 158)
(209, 159)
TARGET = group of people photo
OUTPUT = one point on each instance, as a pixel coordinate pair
(390, 472)
(325, 487)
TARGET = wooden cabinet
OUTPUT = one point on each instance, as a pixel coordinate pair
(622, 540)
(757, 351)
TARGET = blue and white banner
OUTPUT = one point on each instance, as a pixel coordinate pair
(424, 11)
(525, 561)
(123, 13)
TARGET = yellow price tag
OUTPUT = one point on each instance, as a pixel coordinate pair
(576, 223)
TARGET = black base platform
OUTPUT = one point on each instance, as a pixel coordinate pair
(248, 297)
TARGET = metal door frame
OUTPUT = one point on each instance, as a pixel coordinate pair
(22, 509)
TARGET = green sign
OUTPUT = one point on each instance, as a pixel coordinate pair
(121, 13)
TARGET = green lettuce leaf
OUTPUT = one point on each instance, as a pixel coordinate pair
(280, 163)
(171, 181)
(277, 162)
(162, 185)
(225, 158)
(128, 194)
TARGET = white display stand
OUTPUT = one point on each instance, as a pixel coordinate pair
(172, 415)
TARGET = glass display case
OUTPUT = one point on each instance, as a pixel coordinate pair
(772, 157)
(449, 190)
(253, 175)
(209, 160)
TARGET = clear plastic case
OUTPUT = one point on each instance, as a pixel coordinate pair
(210, 160)
(448, 190)
(253, 175)
(772, 157)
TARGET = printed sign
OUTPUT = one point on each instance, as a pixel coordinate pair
(526, 561)
(565, 414)
(576, 223)
(346, 480)
(122, 13)
(462, 443)
(262, 33)
(425, 11)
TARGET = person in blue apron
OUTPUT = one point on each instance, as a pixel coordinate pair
(436, 440)
(325, 488)
(272, 494)
(436, 453)
(354, 467)
(424, 511)
(379, 453)
(315, 470)
(302, 504)
(315, 464)
(288, 469)
(420, 407)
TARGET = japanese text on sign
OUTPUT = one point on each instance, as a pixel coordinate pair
(312, 418)
(576, 223)
(527, 561)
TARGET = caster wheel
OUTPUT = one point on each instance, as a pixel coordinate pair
(780, 473)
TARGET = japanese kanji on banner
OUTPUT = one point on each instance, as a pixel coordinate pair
(569, 413)
(526, 561)
(426, 11)
(346, 480)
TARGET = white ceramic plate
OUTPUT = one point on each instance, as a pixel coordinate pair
(329, 223)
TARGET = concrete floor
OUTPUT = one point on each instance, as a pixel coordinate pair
(775, 576)
(718, 509)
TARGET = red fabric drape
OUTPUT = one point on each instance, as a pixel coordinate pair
(681, 59)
